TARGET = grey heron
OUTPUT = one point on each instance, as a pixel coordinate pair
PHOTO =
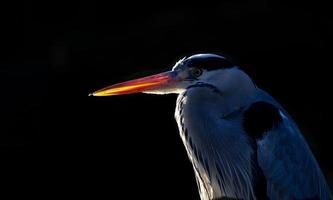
(241, 142)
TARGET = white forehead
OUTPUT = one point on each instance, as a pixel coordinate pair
(196, 56)
(179, 62)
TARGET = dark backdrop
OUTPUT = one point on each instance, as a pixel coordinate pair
(56, 139)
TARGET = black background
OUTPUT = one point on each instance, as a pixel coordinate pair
(58, 141)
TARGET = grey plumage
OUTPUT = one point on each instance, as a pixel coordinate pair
(241, 142)
(213, 121)
(283, 156)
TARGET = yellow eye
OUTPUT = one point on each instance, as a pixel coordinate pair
(196, 72)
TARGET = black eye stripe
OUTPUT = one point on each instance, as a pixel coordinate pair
(210, 63)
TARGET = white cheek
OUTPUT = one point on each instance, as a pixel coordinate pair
(165, 91)
(169, 89)
(214, 76)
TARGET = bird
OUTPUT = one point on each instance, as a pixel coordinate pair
(241, 142)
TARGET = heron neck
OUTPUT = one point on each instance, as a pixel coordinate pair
(208, 97)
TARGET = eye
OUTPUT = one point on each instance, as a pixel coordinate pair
(196, 72)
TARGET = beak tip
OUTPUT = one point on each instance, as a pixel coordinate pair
(91, 94)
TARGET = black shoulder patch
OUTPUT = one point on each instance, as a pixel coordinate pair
(259, 118)
(209, 63)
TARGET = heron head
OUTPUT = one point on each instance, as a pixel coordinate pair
(200, 68)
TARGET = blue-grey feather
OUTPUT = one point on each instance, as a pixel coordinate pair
(277, 165)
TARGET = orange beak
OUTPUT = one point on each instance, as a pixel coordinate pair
(154, 82)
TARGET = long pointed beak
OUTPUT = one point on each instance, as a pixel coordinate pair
(144, 84)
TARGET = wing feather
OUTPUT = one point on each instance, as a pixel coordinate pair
(289, 166)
